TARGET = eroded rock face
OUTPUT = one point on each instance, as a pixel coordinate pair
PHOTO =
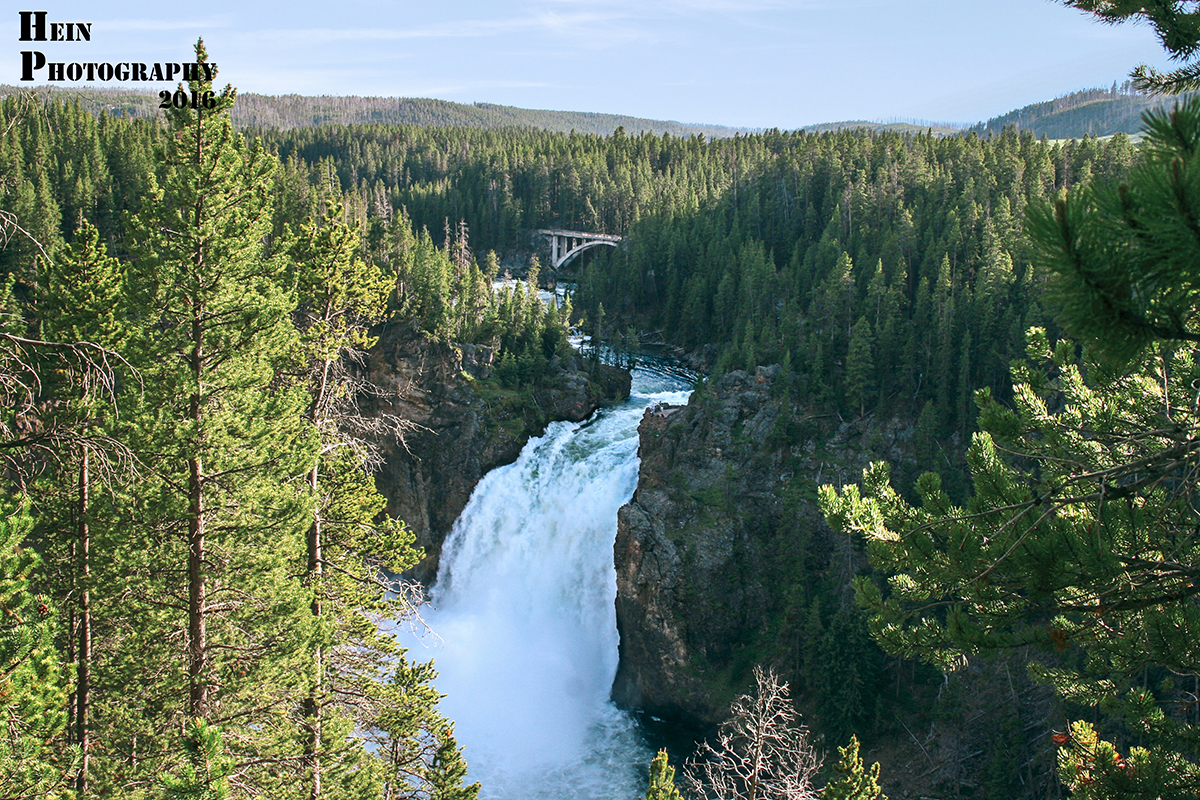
(724, 561)
(461, 430)
(721, 533)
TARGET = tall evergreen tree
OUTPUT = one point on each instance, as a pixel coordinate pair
(351, 547)
(82, 303)
(860, 365)
(221, 512)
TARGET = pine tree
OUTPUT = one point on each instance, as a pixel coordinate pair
(417, 744)
(853, 781)
(1081, 543)
(351, 547)
(447, 771)
(860, 365)
(205, 776)
(33, 693)
(339, 297)
(82, 303)
(662, 780)
(221, 514)
(1121, 257)
(844, 674)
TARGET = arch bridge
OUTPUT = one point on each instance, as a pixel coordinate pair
(565, 245)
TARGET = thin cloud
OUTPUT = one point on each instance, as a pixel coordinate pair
(223, 21)
(283, 81)
(650, 7)
(585, 30)
(463, 29)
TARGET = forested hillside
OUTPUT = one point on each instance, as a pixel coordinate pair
(504, 183)
(884, 272)
(882, 267)
(775, 247)
(1091, 112)
(194, 561)
(296, 111)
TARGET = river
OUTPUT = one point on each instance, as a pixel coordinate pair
(522, 625)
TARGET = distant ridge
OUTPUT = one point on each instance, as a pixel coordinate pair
(1091, 112)
(938, 128)
(297, 111)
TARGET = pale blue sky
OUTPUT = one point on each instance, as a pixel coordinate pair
(750, 63)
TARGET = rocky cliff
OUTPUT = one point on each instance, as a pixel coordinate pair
(464, 423)
(722, 540)
(724, 561)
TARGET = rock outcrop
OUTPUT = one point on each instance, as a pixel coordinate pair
(724, 561)
(721, 533)
(464, 424)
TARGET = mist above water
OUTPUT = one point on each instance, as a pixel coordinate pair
(522, 620)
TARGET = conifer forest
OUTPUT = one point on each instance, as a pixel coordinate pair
(197, 570)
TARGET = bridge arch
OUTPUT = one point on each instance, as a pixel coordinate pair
(579, 249)
(565, 245)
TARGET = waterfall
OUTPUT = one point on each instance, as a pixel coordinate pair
(522, 626)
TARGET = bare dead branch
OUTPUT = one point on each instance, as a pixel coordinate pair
(762, 751)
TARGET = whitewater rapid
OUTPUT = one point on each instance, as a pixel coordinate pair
(522, 625)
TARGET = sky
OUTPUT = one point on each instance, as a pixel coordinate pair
(742, 63)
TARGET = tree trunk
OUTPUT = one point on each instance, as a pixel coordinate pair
(197, 586)
(83, 678)
(312, 704)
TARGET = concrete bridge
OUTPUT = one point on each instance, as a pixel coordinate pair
(565, 245)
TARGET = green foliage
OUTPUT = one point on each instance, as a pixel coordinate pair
(416, 743)
(886, 269)
(662, 780)
(83, 293)
(33, 693)
(340, 296)
(853, 781)
(1081, 544)
(64, 164)
(1122, 256)
(205, 776)
(843, 673)
(860, 364)
(1093, 769)
(447, 773)
(283, 112)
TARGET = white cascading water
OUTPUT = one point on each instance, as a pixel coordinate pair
(522, 625)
